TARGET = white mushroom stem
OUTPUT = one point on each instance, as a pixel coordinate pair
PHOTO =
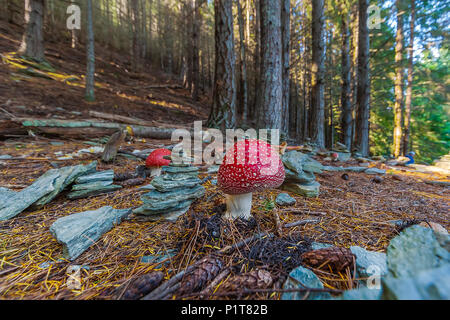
(155, 171)
(238, 206)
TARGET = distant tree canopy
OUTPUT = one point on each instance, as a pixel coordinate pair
(320, 66)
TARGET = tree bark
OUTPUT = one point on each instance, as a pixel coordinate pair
(345, 89)
(243, 65)
(223, 110)
(363, 86)
(317, 80)
(135, 29)
(195, 49)
(90, 55)
(408, 100)
(286, 38)
(398, 106)
(271, 86)
(32, 45)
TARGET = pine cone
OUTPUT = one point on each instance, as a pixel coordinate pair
(337, 258)
(143, 285)
(256, 279)
(206, 270)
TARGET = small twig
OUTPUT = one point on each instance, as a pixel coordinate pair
(299, 223)
(301, 211)
(276, 217)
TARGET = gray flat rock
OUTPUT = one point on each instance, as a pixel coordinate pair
(163, 185)
(167, 215)
(363, 293)
(78, 231)
(97, 176)
(162, 207)
(298, 162)
(415, 249)
(369, 262)
(310, 190)
(284, 199)
(5, 194)
(355, 169)
(42, 191)
(67, 175)
(375, 171)
(79, 194)
(301, 177)
(344, 156)
(172, 169)
(332, 168)
(173, 195)
(431, 284)
(300, 277)
(92, 185)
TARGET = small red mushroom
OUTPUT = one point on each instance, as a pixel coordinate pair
(248, 166)
(335, 156)
(156, 160)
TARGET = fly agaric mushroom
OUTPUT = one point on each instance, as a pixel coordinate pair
(335, 156)
(156, 160)
(248, 166)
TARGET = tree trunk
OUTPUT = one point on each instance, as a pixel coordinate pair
(354, 64)
(243, 64)
(363, 86)
(223, 111)
(144, 29)
(317, 80)
(345, 91)
(32, 45)
(195, 49)
(257, 61)
(135, 29)
(398, 106)
(90, 55)
(408, 101)
(286, 38)
(271, 86)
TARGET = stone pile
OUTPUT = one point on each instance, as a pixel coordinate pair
(173, 193)
(300, 169)
(93, 184)
(342, 151)
(42, 191)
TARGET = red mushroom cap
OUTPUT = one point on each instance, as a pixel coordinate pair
(249, 166)
(155, 159)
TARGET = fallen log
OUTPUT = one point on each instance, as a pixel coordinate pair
(119, 118)
(79, 128)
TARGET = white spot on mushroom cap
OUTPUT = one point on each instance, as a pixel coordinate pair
(244, 174)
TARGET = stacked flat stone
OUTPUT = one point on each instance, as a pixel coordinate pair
(174, 192)
(342, 151)
(300, 169)
(93, 184)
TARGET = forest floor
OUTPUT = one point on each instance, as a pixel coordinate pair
(349, 212)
